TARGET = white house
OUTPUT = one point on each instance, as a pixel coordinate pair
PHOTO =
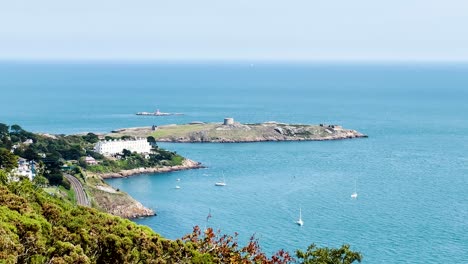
(25, 168)
(112, 147)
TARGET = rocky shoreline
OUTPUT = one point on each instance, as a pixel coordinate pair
(261, 139)
(187, 164)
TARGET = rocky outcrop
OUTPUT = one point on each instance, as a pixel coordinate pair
(120, 204)
(187, 164)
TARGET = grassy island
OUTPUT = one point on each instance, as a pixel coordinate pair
(237, 132)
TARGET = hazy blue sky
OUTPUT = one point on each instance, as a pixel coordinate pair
(235, 29)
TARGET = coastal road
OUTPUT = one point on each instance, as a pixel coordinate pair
(81, 198)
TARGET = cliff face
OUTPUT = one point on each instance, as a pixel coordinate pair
(119, 204)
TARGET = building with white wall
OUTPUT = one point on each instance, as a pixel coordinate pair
(112, 147)
(25, 168)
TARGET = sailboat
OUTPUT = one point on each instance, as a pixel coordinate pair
(300, 222)
(354, 194)
(221, 183)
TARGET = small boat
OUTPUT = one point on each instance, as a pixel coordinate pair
(354, 194)
(299, 221)
(222, 183)
(178, 179)
(177, 187)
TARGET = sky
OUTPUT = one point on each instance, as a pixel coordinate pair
(302, 30)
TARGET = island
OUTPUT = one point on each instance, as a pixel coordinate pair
(235, 132)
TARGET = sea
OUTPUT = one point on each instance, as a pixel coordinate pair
(411, 173)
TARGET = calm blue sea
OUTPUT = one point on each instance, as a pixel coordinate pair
(411, 173)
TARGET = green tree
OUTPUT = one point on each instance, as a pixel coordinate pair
(326, 255)
(40, 181)
(126, 153)
(4, 129)
(30, 154)
(16, 129)
(73, 153)
(55, 178)
(152, 141)
(8, 161)
(91, 138)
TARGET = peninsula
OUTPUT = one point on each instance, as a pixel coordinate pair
(234, 132)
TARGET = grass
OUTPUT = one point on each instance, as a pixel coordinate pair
(181, 130)
(256, 131)
(61, 192)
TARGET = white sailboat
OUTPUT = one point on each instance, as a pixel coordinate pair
(299, 221)
(221, 183)
(354, 194)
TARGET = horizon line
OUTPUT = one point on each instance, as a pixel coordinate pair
(227, 61)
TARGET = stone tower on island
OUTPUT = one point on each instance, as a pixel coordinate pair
(228, 121)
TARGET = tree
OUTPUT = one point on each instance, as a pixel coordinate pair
(55, 178)
(73, 153)
(16, 129)
(40, 181)
(4, 129)
(126, 153)
(325, 255)
(8, 161)
(152, 141)
(30, 154)
(91, 138)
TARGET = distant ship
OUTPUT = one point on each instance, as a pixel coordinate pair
(157, 113)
